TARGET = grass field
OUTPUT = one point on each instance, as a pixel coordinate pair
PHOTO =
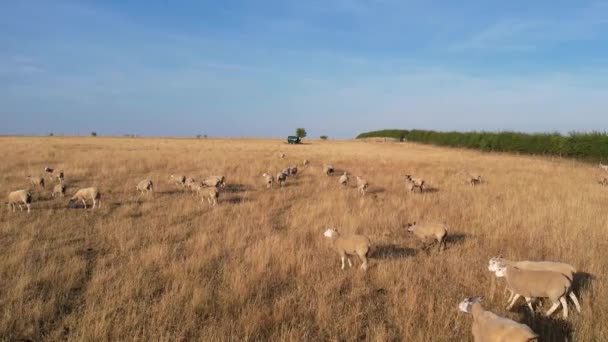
(256, 267)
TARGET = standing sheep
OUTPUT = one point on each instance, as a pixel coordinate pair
(180, 181)
(281, 178)
(604, 167)
(211, 194)
(487, 326)
(60, 177)
(344, 179)
(215, 181)
(145, 185)
(58, 190)
(87, 193)
(426, 231)
(362, 185)
(603, 181)
(19, 197)
(539, 284)
(358, 245)
(292, 170)
(414, 183)
(328, 169)
(189, 183)
(268, 179)
(36, 181)
(474, 179)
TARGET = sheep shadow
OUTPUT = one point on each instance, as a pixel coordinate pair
(375, 190)
(582, 281)
(391, 251)
(235, 188)
(549, 329)
(455, 239)
(429, 190)
(235, 200)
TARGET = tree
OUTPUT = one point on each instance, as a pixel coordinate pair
(93, 134)
(198, 136)
(324, 137)
(51, 134)
(300, 132)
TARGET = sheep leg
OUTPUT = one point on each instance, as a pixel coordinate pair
(575, 301)
(342, 260)
(350, 263)
(28, 210)
(564, 306)
(529, 302)
(94, 203)
(20, 207)
(552, 309)
(364, 262)
(85, 203)
(515, 298)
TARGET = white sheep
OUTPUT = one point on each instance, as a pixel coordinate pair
(281, 155)
(87, 193)
(328, 169)
(36, 181)
(539, 284)
(344, 179)
(362, 185)
(19, 197)
(414, 183)
(603, 181)
(305, 163)
(487, 326)
(179, 181)
(269, 180)
(215, 181)
(145, 185)
(211, 194)
(358, 245)
(474, 179)
(60, 177)
(426, 231)
(58, 190)
(189, 183)
(604, 167)
(292, 170)
(281, 178)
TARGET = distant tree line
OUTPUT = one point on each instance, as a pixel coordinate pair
(591, 146)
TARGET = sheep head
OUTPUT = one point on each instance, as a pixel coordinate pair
(330, 233)
(467, 303)
(410, 226)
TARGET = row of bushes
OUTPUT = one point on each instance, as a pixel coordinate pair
(584, 146)
(385, 133)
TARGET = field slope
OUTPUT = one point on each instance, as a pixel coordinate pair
(166, 267)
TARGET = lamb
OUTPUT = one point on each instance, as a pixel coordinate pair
(36, 181)
(414, 183)
(344, 179)
(269, 180)
(179, 181)
(215, 181)
(211, 194)
(19, 197)
(539, 284)
(349, 245)
(362, 185)
(604, 167)
(145, 185)
(425, 231)
(58, 190)
(487, 326)
(281, 178)
(328, 169)
(87, 193)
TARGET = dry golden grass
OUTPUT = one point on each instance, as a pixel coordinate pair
(256, 267)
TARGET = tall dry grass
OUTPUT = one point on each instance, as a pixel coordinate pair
(256, 267)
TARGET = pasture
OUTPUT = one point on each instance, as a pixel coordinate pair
(256, 267)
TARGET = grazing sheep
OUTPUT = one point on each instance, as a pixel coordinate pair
(603, 181)
(292, 170)
(58, 190)
(344, 179)
(604, 167)
(87, 193)
(145, 185)
(474, 179)
(189, 183)
(414, 183)
(215, 181)
(358, 245)
(539, 284)
(60, 177)
(19, 197)
(425, 231)
(211, 194)
(362, 185)
(269, 180)
(281, 178)
(36, 181)
(487, 326)
(305, 163)
(179, 181)
(328, 169)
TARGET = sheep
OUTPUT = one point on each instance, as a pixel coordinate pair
(215, 181)
(60, 177)
(539, 284)
(305, 163)
(474, 179)
(604, 167)
(425, 231)
(344, 179)
(145, 185)
(281, 155)
(603, 181)
(180, 181)
(362, 185)
(211, 194)
(413, 183)
(189, 183)
(487, 326)
(48, 170)
(292, 170)
(269, 180)
(19, 197)
(349, 245)
(36, 181)
(328, 169)
(58, 190)
(281, 178)
(87, 193)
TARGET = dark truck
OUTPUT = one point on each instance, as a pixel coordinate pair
(292, 139)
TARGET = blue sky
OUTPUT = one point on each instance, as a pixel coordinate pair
(335, 67)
